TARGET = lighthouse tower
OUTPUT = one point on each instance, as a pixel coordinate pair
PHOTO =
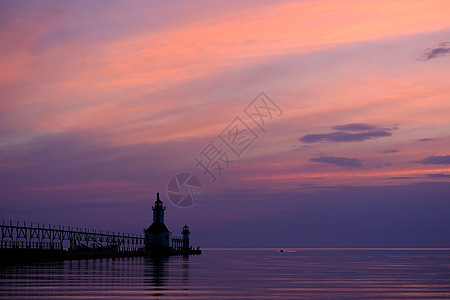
(158, 210)
(185, 233)
(158, 235)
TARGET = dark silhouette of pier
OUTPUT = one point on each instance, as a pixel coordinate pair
(22, 241)
(40, 236)
(30, 241)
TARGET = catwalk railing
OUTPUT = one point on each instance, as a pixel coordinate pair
(177, 243)
(40, 236)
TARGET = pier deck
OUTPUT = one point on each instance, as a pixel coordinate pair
(25, 242)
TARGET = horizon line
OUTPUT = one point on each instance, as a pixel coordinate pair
(325, 249)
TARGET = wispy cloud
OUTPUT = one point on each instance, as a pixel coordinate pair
(426, 140)
(441, 50)
(434, 160)
(339, 161)
(344, 136)
(364, 132)
(388, 151)
(438, 176)
(355, 127)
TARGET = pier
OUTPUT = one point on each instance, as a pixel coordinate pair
(26, 241)
(35, 241)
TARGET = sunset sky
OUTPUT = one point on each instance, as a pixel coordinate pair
(102, 102)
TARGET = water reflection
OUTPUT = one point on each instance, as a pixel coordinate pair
(162, 273)
(156, 274)
(186, 271)
(237, 274)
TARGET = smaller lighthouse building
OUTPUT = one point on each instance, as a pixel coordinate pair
(185, 233)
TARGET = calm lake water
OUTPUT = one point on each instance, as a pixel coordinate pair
(239, 274)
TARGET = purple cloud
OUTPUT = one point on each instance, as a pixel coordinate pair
(441, 50)
(363, 132)
(388, 151)
(426, 140)
(434, 160)
(438, 176)
(355, 127)
(344, 136)
(340, 161)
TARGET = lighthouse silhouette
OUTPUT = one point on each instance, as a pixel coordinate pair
(158, 235)
(185, 233)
